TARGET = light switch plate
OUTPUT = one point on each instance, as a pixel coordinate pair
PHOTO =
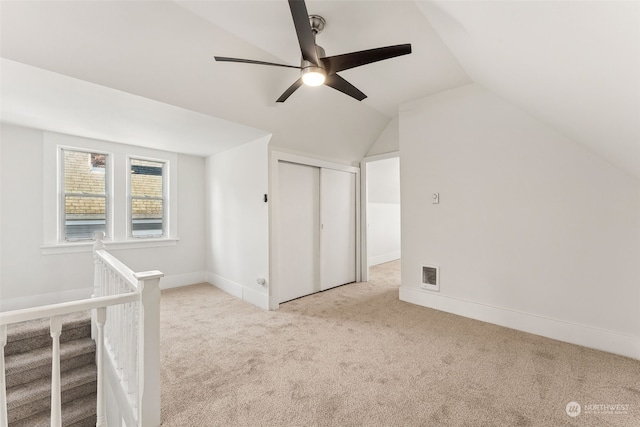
(435, 198)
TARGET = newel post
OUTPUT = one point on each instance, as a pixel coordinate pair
(149, 344)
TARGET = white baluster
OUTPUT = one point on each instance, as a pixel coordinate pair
(105, 280)
(132, 349)
(97, 275)
(134, 354)
(56, 402)
(125, 347)
(120, 330)
(112, 282)
(4, 420)
(101, 408)
(97, 262)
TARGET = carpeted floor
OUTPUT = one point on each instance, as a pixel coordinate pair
(357, 356)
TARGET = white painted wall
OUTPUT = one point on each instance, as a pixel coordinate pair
(532, 231)
(237, 218)
(388, 141)
(30, 277)
(383, 210)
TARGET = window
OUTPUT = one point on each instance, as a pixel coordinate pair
(128, 192)
(147, 198)
(84, 194)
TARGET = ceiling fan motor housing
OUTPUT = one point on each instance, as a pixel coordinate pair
(308, 68)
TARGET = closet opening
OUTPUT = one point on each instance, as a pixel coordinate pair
(316, 226)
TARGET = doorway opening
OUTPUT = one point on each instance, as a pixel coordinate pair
(381, 231)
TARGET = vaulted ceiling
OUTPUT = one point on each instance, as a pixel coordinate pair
(573, 65)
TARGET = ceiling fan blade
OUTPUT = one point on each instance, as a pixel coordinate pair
(334, 64)
(338, 83)
(287, 93)
(251, 61)
(306, 39)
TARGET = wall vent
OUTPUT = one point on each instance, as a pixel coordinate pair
(431, 277)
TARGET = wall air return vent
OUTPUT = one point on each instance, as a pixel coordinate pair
(430, 277)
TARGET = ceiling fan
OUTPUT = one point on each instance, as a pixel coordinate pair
(316, 68)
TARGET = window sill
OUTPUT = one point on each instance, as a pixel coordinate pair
(87, 246)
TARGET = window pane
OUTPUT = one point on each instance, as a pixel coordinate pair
(83, 216)
(80, 176)
(98, 160)
(146, 178)
(147, 217)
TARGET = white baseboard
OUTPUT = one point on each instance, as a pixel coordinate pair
(256, 298)
(381, 259)
(586, 336)
(45, 299)
(185, 279)
(222, 283)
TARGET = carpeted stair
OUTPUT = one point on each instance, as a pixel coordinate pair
(28, 372)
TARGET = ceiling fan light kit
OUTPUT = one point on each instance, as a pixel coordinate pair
(313, 76)
(316, 68)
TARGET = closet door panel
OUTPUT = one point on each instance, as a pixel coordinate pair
(338, 228)
(299, 230)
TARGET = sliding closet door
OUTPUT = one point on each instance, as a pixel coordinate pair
(299, 230)
(338, 228)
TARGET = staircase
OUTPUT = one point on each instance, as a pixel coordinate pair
(28, 372)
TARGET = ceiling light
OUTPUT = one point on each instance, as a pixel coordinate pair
(313, 76)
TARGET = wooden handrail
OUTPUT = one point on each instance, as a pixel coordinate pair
(63, 308)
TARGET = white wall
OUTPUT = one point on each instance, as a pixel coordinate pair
(532, 231)
(383, 210)
(30, 277)
(388, 141)
(237, 217)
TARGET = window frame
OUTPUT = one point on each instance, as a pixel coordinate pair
(117, 183)
(62, 194)
(164, 198)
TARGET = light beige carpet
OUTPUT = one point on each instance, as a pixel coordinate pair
(357, 356)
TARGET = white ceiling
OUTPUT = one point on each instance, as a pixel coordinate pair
(572, 64)
(575, 65)
(164, 51)
(68, 105)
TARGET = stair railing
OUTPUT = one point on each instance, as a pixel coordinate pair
(126, 318)
(131, 338)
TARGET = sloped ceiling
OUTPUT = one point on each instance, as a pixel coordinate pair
(164, 51)
(34, 97)
(574, 65)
